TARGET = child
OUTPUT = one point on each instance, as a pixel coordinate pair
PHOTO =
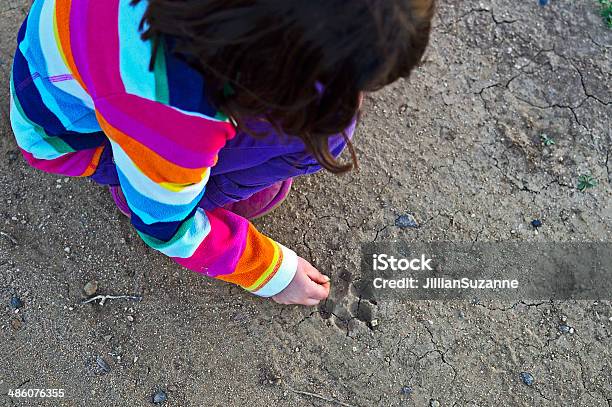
(198, 113)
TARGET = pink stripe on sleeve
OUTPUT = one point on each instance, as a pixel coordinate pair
(220, 252)
(188, 141)
(71, 164)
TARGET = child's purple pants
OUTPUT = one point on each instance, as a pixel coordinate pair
(246, 165)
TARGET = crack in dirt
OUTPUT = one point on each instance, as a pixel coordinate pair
(441, 351)
(555, 105)
(378, 231)
(596, 43)
(513, 306)
(495, 20)
(505, 85)
(607, 165)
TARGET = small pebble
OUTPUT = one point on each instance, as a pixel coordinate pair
(536, 223)
(130, 318)
(527, 378)
(16, 302)
(374, 323)
(90, 288)
(434, 403)
(406, 221)
(565, 329)
(406, 390)
(16, 323)
(159, 397)
(104, 368)
(67, 249)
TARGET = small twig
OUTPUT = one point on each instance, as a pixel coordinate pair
(318, 396)
(9, 237)
(103, 298)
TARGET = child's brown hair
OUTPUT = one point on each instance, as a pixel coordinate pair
(300, 64)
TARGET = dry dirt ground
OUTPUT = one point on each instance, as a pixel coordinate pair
(458, 147)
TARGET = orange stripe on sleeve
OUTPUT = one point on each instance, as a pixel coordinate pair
(151, 164)
(254, 262)
(95, 160)
(62, 25)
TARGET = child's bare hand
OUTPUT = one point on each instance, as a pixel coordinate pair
(308, 286)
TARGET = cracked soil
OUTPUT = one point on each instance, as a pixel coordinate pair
(457, 146)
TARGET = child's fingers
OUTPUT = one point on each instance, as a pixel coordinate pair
(323, 290)
(316, 276)
(318, 291)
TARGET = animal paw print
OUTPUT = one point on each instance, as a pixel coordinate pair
(350, 303)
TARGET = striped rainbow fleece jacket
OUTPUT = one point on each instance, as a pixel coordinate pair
(81, 85)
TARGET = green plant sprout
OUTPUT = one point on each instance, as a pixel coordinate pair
(585, 182)
(606, 11)
(547, 141)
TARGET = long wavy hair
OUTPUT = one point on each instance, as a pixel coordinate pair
(301, 65)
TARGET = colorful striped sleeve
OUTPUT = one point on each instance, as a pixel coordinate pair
(163, 169)
(163, 148)
(51, 116)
